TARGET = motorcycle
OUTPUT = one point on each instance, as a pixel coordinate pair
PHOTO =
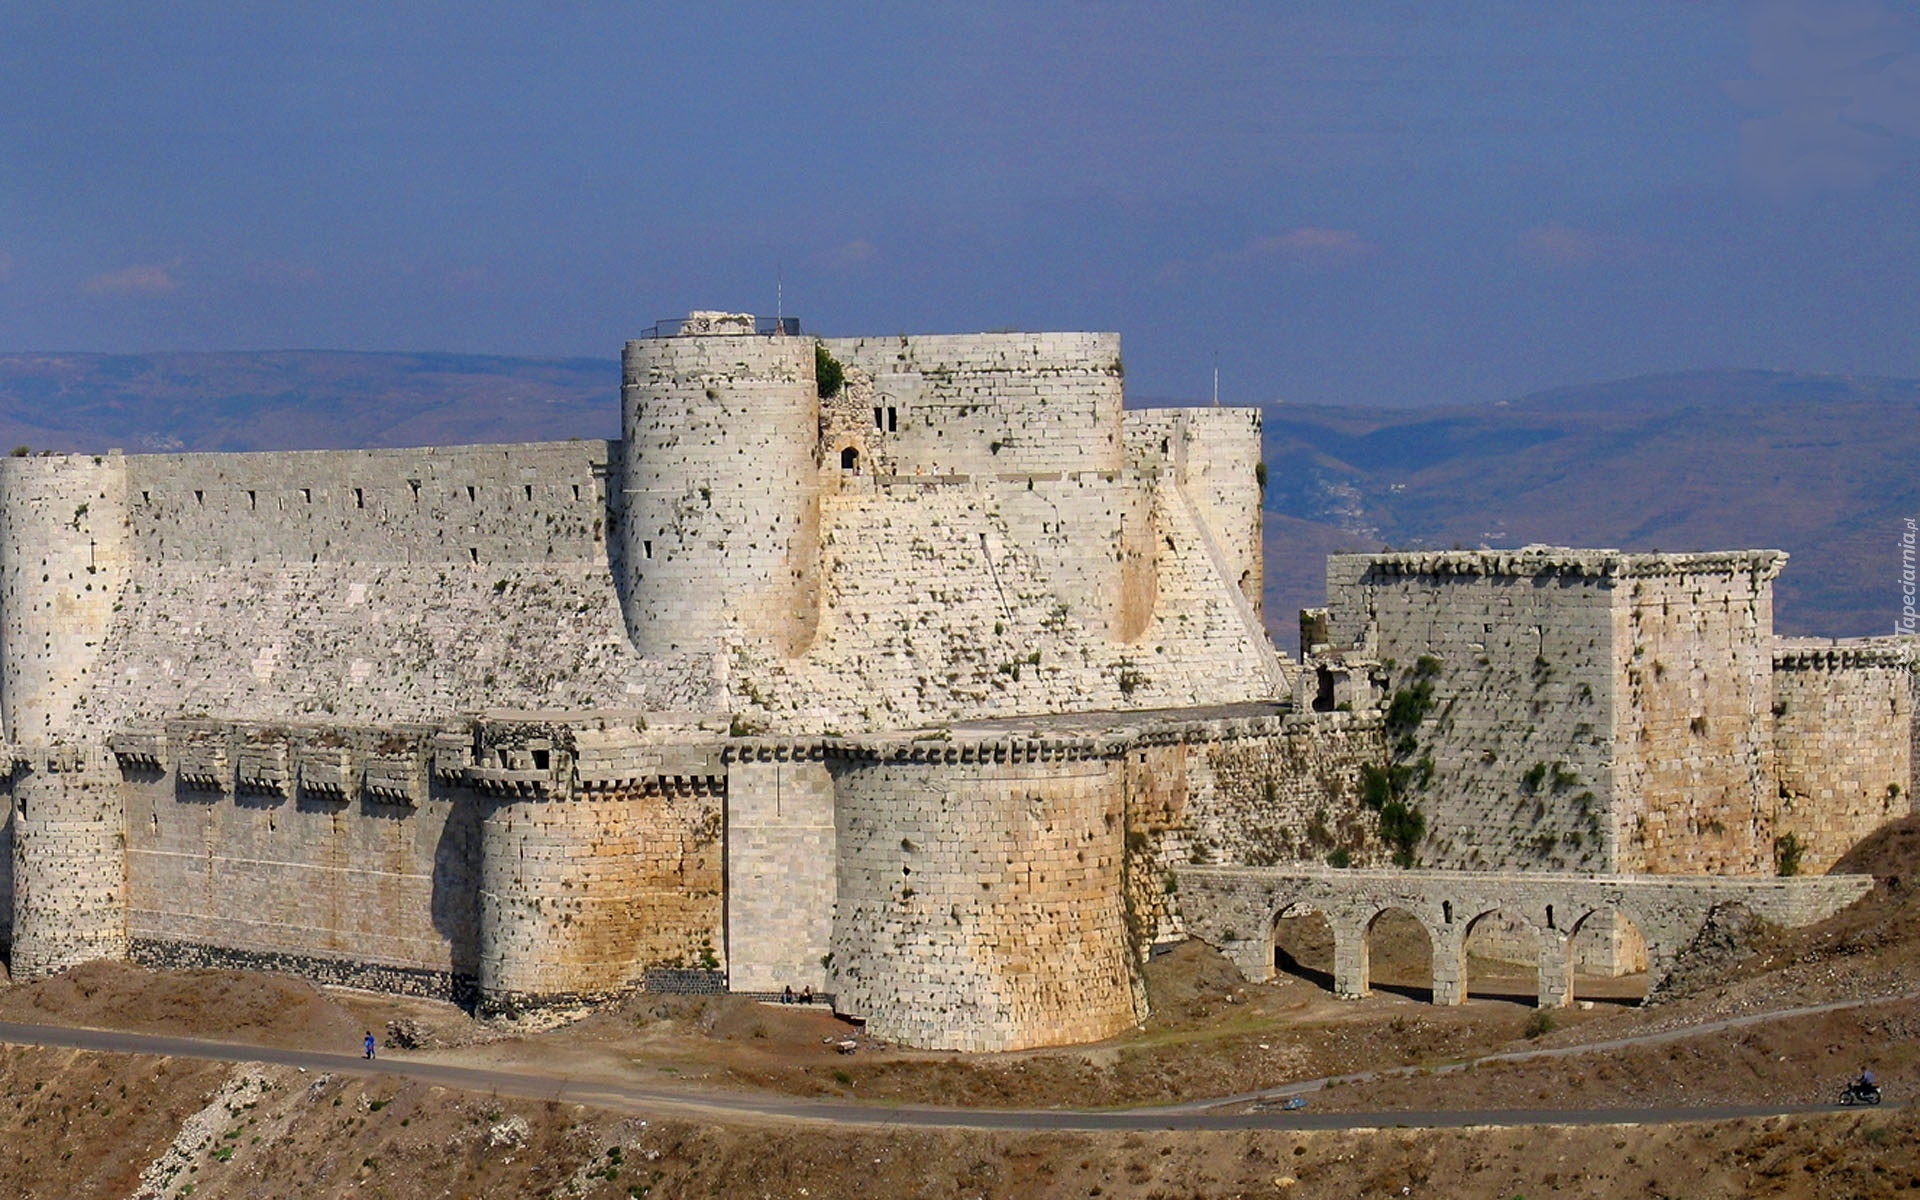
(1858, 1092)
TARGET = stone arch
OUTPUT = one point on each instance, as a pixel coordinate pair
(1388, 942)
(1304, 942)
(850, 458)
(1607, 957)
(1501, 948)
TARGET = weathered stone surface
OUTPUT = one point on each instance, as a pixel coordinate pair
(1843, 720)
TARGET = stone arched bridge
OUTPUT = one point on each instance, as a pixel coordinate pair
(1235, 909)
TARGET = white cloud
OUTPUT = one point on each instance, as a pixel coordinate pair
(1558, 246)
(856, 253)
(1312, 245)
(143, 279)
(276, 272)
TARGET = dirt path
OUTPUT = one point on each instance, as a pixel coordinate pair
(693, 1103)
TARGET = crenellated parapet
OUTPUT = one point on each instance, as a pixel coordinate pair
(1846, 654)
(1536, 561)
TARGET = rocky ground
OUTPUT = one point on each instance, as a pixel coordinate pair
(76, 1124)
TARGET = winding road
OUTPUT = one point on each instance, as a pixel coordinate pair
(1256, 1110)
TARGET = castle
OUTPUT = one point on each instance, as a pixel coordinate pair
(914, 670)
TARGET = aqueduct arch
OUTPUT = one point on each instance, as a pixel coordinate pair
(1235, 909)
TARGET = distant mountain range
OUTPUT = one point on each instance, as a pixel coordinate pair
(1819, 466)
(300, 400)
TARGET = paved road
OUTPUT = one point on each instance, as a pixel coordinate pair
(1253, 1111)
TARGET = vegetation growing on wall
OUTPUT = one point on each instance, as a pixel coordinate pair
(1787, 852)
(828, 374)
(1388, 790)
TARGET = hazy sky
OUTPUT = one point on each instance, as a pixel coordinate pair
(1374, 203)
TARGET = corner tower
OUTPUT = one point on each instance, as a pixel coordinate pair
(721, 529)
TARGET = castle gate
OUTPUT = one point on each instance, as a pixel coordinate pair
(1235, 908)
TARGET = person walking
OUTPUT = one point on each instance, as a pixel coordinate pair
(369, 1043)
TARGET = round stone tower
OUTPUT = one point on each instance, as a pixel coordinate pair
(721, 522)
(63, 562)
(69, 859)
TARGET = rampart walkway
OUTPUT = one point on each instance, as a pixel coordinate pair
(1235, 909)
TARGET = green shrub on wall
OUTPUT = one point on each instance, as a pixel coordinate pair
(828, 374)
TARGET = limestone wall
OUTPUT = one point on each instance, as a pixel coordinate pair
(780, 869)
(245, 849)
(968, 598)
(981, 904)
(1518, 728)
(371, 586)
(581, 897)
(1843, 742)
(1588, 710)
(69, 883)
(1286, 795)
(722, 478)
(1694, 728)
(1215, 455)
(993, 403)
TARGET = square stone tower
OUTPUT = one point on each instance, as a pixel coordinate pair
(1573, 709)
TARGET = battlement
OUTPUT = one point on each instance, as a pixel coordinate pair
(1536, 561)
(724, 324)
(1842, 654)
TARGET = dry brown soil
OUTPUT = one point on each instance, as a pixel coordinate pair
(80, 1124)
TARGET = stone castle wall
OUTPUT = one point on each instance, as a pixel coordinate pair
(65, 555)
(781, 880)
(1694, 731)
(264, 846)
(988, 403)
(966, 597)
(1843, 746)
(1214, 455)
(1518, 730)
(1287, 795)
(580, 897)
(373, 586)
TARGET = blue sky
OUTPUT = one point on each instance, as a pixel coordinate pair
(1388, 203)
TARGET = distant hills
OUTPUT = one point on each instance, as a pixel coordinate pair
(300, 400)
(1821, 467)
